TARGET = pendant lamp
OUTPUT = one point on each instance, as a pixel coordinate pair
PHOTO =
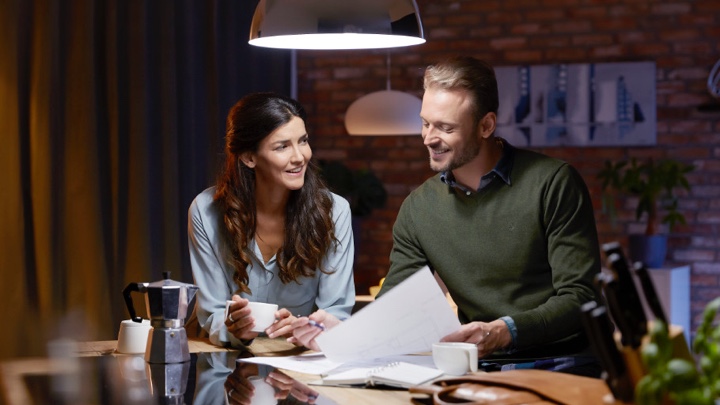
(336, 24)
(386, 112)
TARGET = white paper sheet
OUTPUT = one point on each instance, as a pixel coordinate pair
(407, 319)
(317, 363)
(313, 363)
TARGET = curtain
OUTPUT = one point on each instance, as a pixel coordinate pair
(112, 116)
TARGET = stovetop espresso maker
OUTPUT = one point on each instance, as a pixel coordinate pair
(167, 303)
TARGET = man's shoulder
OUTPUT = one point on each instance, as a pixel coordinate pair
(536, 160)
(537, 167)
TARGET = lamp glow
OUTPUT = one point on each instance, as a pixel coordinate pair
(336, 24)
(386, 112)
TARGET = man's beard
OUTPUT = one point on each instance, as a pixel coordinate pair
(467, 154)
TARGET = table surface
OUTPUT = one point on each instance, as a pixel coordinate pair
(12, 372)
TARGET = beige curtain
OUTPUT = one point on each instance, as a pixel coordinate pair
(111, 121)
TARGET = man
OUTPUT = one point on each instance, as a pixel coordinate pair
(510, 232)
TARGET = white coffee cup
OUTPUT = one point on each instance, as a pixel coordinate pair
(264, 315)
(455, 358)
(264, 393)
(133, 336)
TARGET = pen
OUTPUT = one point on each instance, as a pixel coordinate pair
(315, 324)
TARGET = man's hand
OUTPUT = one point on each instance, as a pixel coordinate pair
(488, 337)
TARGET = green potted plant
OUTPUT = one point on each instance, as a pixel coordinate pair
(654, 184)
(363, 190)
(677, 380)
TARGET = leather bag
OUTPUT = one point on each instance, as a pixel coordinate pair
(514, 387)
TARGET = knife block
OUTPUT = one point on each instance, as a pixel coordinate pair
(633, 361)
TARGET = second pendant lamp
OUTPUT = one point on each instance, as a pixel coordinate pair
(386, 112)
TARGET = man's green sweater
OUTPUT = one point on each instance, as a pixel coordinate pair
(527, 249)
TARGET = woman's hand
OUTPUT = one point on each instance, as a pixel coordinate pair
(283, 325)
(307, 328)
(239, 322)
(286, 385)
(238, 388)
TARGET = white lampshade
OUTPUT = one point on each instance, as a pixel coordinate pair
(336, 24)
(386, 112)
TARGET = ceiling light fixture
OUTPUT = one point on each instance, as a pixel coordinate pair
(386, 112)
(336, 24)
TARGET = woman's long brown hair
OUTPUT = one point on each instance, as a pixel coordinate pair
(309, 229)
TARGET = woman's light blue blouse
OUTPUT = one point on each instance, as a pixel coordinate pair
(335, 292)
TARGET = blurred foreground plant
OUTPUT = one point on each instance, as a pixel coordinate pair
(679, 380)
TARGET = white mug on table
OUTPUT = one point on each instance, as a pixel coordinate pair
(455, 358)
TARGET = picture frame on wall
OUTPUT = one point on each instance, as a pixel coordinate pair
(584, 104)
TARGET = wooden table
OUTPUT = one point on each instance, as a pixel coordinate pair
(13, 372)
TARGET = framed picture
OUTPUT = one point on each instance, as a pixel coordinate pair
(600, 104)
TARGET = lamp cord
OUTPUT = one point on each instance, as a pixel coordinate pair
(387, 67)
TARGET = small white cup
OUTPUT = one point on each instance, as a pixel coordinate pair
(455, 358)
(264, 315)
(133, 336)
(264, 393)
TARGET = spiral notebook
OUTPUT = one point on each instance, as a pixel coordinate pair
(397, 374)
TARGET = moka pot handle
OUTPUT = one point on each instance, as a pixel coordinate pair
(138, 287)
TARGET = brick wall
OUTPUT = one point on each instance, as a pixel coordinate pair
(683, 38)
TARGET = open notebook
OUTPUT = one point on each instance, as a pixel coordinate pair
(397, 374)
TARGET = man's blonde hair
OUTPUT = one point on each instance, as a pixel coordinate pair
(468, 73)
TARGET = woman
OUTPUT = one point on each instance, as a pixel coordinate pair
(269, 231)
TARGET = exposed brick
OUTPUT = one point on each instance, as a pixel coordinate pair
(570, 27)
(616, 24)
(707, 191)
(680, 35)
(546, 14)
(590, 12)
(503, 18)
(685, 100)
(689, 126)
(707, 6)
(482, 6)
(693, 47)
(607, 51)
(445, 32)
(694, 255)
(636, 36)
(550, 41)
(464, 20)
(651, 49)
(508, 43)
(529, 56)
(592, 39)
(670, 8)
(528, 29)
(703, 242)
